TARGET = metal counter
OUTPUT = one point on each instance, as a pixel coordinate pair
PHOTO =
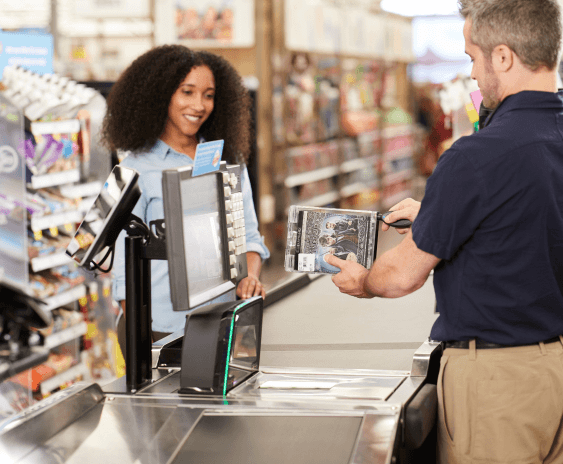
(284, 414)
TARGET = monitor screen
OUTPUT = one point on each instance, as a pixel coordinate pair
(107, 216)
(197, 237)
(203, 241)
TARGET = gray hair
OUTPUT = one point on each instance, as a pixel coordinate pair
(530, 28)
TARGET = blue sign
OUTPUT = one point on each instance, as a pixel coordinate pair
(30, 51)
(207, 157)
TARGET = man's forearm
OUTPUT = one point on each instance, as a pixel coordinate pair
(399, 271)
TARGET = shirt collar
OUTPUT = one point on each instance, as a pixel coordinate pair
(162, 149)
(528, 99)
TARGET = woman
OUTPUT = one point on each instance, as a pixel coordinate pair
(165, 103)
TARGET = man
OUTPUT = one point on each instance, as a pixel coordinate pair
(491, 227)
(343, 226)
(341, 244)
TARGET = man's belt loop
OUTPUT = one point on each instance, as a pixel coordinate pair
(472, 350)
(542, 349)
(561, 339)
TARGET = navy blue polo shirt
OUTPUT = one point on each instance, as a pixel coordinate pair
(493, 214)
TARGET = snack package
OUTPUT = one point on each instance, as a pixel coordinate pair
(315, 232)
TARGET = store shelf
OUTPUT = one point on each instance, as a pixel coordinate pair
(396, 198)
(396, 154)
(393, 178)
(9, 367)
(88, 189)
(322, 200)
(66, 335)
(311, 176)
(54, 179)
(67, 126)
(396, 131)
(64, 298)
(47, 386)
(357, 164)
(55, 220)
(353, 189)
(50, 261)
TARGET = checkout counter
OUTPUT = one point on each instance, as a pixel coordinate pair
(215, 400)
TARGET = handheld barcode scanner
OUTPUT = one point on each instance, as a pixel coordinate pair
(314, 232)
(400, 224)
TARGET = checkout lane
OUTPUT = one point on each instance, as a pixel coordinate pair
(322, 328)
(287, 403)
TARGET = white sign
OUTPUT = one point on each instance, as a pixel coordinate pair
(113, 8)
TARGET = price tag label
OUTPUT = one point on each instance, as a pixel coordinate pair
(306, 262)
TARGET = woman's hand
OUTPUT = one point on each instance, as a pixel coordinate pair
(250, 286)
(406, 209)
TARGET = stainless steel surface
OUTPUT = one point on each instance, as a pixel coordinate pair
(149, 430)
(362, 350)
(21, 433)
(119, 385)
(313, 386)
(159, 426)
(258, 438)
(161, 344)
(421, 358)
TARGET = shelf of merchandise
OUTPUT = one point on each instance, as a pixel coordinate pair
(395, 177)
(398, 154)
(54, 179)
(38, 223)
(85, 190)
(41, 263)
(322, 200)
(64, 298)
(66, 335)
(355, 188)
(311, 176)
(358, 163)
(394, 199)
(64, 126)
(71, 374)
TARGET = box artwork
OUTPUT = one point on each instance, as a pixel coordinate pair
(314, 232)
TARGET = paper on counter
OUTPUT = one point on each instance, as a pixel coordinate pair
(296, 384)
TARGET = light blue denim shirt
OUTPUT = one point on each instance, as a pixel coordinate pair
(149, 208)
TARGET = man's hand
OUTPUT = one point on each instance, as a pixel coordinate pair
(351, 278)
(406, 209)
(250, 286)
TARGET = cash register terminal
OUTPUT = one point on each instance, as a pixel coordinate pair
(206, 248)
(203, 237)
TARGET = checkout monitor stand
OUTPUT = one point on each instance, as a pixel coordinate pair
(221, 343)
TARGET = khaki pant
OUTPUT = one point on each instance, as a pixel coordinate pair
(501, 405)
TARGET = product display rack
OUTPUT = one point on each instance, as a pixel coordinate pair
(340, 81)
(44, 193)
(355, 154)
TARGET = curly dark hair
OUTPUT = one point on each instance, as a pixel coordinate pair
(137, 106)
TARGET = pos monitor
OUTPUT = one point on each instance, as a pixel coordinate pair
(106, 218)
(206, 248)
(205, 234)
